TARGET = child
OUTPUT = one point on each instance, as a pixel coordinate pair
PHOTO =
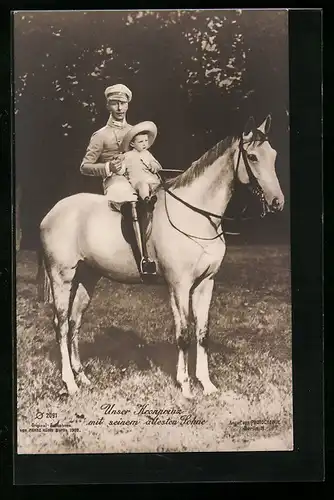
(140, 165)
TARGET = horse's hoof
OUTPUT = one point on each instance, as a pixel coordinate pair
(72, 389)
(209, 389)
(63, 392)
(187, 394)
(83, 379)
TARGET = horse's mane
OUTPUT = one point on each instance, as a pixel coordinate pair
(198, 166)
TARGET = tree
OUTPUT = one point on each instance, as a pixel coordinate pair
(197, 74)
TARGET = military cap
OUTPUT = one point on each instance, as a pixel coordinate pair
(118, 92)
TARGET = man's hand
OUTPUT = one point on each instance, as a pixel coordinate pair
(116, 163)
(155, 167)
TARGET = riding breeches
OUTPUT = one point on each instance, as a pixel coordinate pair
(119, 190)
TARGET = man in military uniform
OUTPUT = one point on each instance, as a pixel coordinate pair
(103, 159)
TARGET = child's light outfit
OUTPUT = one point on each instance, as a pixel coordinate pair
(140, 169)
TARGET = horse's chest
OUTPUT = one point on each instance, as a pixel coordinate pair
(181, 253)
(211, 257)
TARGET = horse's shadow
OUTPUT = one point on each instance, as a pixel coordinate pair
(125, 348)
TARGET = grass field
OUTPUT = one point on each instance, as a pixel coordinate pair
(128, 348)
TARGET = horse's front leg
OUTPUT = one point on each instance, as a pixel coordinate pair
(201, 300)
(180, 307)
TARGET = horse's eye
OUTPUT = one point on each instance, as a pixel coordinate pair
(252, 157)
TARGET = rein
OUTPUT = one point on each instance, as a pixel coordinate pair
(252, 181)
(195, 209)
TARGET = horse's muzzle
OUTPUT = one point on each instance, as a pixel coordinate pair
(276, 205)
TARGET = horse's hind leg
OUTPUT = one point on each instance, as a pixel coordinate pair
(84, 291)
(201, 299)
(62, 280)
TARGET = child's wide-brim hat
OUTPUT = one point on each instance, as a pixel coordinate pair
(147, 127)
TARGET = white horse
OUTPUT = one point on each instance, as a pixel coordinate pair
(83, 240)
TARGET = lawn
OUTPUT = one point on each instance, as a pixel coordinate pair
(128, 349)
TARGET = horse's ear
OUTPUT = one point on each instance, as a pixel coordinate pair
(249, 128)
(265, 126)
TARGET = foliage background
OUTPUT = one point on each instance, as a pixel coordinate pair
(197, 74)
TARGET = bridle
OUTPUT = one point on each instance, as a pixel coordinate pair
(253, 185)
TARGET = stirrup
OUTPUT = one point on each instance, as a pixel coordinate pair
(148, 266)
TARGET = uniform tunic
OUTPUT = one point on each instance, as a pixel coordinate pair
(103, 145)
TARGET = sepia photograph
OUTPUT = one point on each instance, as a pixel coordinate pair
(152, 231)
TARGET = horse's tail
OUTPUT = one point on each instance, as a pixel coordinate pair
(44, 293)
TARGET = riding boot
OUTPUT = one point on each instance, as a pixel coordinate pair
(147, 266)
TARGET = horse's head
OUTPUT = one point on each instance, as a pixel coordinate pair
(255, 165)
